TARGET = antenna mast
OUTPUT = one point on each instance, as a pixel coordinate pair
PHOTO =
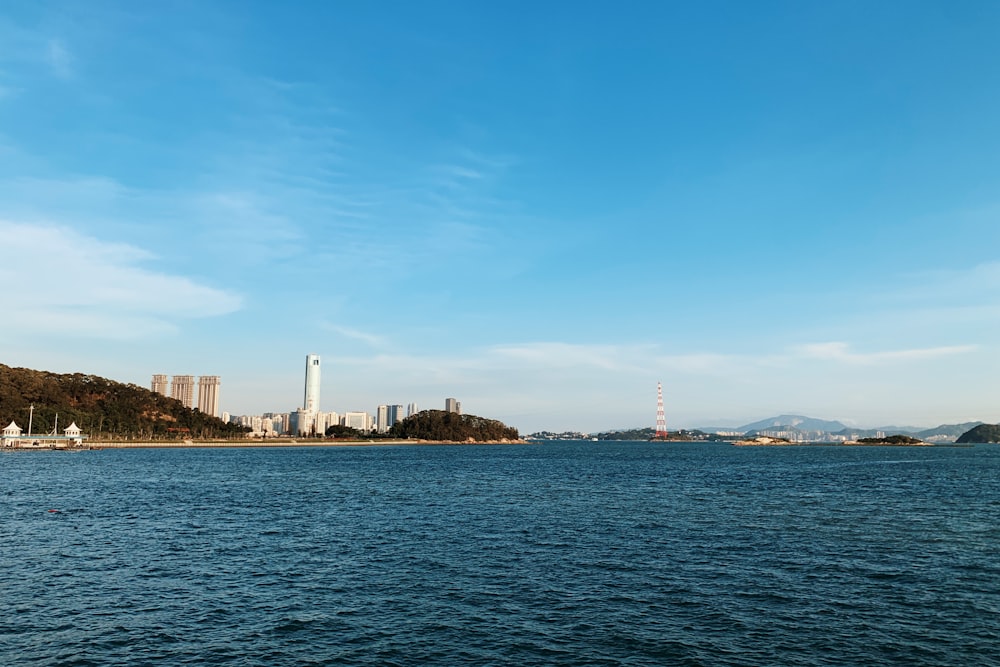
(661, 419)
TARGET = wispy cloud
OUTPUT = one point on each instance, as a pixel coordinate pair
(374, 340)
(59, 59)
(57, 280)
(841, 352)
(564, 355)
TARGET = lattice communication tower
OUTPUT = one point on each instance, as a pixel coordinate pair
(661, 418)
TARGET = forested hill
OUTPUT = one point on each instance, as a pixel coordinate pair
(452, 427)
(102, 408)
(981, 433)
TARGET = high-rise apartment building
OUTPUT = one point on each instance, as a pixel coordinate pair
(310, 403)
(387, 416)
(208, 394)
(159, 385)
(453, 405)
(411, 409)
(182, 388)
(382, 418)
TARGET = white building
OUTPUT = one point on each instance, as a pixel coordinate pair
(159, 385)
(208, 394)
(361, 421)
(310, 402)
(302, 423)
(182, 388)
(12, 436)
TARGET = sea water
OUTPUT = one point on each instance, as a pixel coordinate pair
(553, 554)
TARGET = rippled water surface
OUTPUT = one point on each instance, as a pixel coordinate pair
(555, 554)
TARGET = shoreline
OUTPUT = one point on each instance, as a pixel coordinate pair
(240, 444)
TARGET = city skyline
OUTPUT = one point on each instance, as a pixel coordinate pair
(774, 208)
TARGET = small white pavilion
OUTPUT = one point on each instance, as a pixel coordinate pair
(11, 436)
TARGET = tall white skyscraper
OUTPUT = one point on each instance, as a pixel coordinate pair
(411, 409)
(453, 405)
(208, 394)
(311, 401)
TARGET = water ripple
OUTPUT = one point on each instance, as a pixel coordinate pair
(569, 554)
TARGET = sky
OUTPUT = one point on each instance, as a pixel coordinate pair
(541, 209)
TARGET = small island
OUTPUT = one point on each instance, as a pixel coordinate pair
(764, 441)
(892, 441)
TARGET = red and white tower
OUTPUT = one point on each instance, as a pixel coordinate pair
(661, 418)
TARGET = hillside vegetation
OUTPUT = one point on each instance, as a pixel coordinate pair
(452, 427)
(981, 433)
(102, 408)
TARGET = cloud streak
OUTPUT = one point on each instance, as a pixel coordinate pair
(841, 352)
(373, 340)
(59, 280)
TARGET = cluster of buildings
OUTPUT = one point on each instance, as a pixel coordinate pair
(181, 387)
(307, 420)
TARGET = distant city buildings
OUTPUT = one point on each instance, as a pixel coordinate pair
(182, 388)
(305, 421)
(386, 416)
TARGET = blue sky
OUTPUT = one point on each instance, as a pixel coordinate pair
(539, 208)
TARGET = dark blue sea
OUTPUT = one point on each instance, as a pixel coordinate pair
(553, 554)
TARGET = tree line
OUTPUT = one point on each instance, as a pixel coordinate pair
(451, 427)
(102, 408)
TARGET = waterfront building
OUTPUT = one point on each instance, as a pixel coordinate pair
(325, 420)
(301, 423)
(360, 421)
(159, 385)
(208, 394)
(411, 409)
(453, 405)
(182, 388)
(310, 403)
(387, 416)
(280, 422)
(12, 436)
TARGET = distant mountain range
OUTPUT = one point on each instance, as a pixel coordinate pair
(802, 424)
(798, 422)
